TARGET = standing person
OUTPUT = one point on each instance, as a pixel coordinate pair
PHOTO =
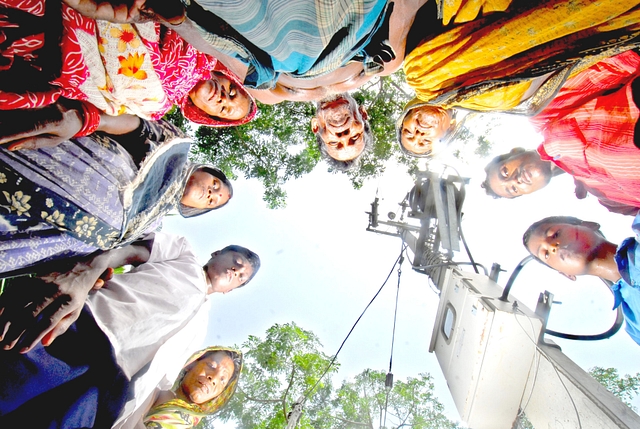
(588, 132)
(144, 324)
(574, 247)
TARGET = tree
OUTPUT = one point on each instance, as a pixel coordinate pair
(626, 388)
(288, 363)
(279, 369)
(363, 403)
(278, 144)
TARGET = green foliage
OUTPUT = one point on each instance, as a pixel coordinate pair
(287, 363)
(278, 144)
(363, 401)
(626, 388)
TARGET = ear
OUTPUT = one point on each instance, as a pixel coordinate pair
(517, 150)
(363, 112)
(569, 276)
(591, 225)
(315, 125)
(216, 253)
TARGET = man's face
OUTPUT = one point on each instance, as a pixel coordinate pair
(208, 377)
(226, 271)
(522, 173)
(340, 123)
(566, 248)
(423, 126)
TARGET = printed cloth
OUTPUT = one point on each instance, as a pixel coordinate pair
(180, 414)
(301, 38)
(588, 129)
(627, 289)
(87, 194)
(142, 69)
(488, 64)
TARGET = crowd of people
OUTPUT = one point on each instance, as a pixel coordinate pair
(88, 168)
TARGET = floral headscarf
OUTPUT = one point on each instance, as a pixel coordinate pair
(180, 414)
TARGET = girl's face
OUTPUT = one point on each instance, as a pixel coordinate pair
(204, 191)
(422, 127)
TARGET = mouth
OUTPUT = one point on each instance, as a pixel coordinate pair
(525, 176)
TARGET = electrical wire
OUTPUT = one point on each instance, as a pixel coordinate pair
(535, 363)
(308, 394)
(575, 408)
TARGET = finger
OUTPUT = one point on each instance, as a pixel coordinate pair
(12, 336)
(98, 285)
(38, 142)
(46, 322)
(60, 328)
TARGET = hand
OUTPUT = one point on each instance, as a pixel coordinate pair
(47, 127)
(42, 308)
(138, 11)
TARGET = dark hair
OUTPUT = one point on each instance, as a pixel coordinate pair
(252, 258)
(347, 165)
(486, 185)
(568, 220)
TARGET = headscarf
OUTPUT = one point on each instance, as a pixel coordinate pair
(180, 414)
(452, 133)
(186, 211)
(199, 116)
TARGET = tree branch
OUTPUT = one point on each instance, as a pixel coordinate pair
(286, 392)
(351, 422)
(262, 401)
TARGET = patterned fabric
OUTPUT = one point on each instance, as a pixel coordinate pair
(488, 64)
(301, 38)
(86, 194)
(469, 10)
(179, 414)
(588, 129)
(627, 289)
(142, 69)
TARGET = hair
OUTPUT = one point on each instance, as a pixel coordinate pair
(350, 164)
(486, 185)
(252, 258)
(568, 220)
(235, 357)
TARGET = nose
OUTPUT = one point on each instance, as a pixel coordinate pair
(552, 244)
(213, 195)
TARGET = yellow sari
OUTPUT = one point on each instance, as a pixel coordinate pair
(488, 64)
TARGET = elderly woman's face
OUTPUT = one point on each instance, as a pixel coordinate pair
(207, 377)
(422, 127)
(204, 191)
(221, 97)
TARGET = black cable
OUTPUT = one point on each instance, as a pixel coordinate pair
(306, 396)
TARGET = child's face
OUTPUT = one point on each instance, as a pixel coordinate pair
(564, 247)
(221, 97)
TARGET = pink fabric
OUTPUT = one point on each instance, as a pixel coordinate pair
(588, 129)
(178, 65)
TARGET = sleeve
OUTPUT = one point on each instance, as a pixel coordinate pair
(169, 247)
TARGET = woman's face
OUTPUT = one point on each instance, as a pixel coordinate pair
(422, 127)
(221, 97)
(204, 191)
(208, 377)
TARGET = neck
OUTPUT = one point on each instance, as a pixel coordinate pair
(604, 264)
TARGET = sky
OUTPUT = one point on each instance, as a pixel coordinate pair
(320, 267)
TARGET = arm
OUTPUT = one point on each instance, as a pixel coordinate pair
(44, 307)
(54, 124)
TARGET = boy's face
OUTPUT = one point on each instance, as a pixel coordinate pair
(521, 173)
(227, 270)
(566, 248)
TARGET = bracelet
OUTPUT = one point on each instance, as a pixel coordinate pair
(90, 119)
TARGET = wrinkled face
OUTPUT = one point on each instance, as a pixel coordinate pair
(204, 191)
(522, 173)
(221, 97)
(340, 124)
(422, 127)
(207, 377)
(564, 247)
(226, 271)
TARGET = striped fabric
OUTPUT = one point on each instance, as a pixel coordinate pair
(300, 37)
(588, 129)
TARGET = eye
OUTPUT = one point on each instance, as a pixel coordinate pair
(232, 91)
(333, 144)
(224, 109)
(514, 190)
(355, 138)
(546, 255)
(407, 133)
(504, 172)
